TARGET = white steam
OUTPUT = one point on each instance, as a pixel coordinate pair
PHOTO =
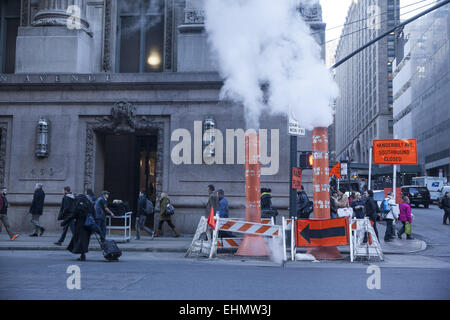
(265, 44)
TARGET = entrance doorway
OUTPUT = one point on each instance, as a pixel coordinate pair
(130, 166)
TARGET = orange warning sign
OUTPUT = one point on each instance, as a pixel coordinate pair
(296, 178)
(322, 233)
(395, 151)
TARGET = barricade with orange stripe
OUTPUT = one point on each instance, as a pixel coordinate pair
(265, 228)
(359, 230)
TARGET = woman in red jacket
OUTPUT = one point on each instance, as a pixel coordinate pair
(405, 216)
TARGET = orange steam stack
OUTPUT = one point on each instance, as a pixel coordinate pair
(252, 245)
(321, 188)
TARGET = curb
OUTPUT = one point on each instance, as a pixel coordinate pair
(173, 250)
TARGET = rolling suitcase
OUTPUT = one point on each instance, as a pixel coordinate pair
(111, 251)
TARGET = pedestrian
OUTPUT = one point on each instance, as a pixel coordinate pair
(4, 214)
(333, 204)
(358, 206)
(36, 210)
(342, 200)
(101, 210)
(404, 217)
(145, 208)
(163, 217)
(267, 211)
(90, 195)
(389, 215)
(351, 198)
(65, 211)
(213, 201)
(302, 204)
(79, 244)
(372, 210)
(445, 203)
(224, 212)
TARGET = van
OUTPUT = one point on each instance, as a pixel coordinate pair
(434, 184)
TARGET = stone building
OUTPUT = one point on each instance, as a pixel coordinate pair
(364, 107)
(422, 90)
(95, 101)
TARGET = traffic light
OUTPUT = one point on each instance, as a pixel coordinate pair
(306, 160)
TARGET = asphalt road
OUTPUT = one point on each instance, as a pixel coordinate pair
(43, 274)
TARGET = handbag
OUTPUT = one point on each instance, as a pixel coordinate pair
(408, 228)
(89, 223)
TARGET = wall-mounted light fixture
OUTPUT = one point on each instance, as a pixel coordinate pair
(209, 126)
(42, 138)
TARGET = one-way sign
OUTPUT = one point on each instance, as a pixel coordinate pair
(322, 233)
(293, 127)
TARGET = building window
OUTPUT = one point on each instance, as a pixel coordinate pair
(9, 24)
(140, 33)
(391, 126)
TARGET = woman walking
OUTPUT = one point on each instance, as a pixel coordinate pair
(163, 202)
(405, 217)
(80, 239)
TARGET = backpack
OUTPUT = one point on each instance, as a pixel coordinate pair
(148, 207)
(384, 207)
(170, 210)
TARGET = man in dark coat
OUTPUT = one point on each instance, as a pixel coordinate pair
(213, 201)
(81, 236)
(4, 214)
(372, 210)
(141, 215)
(36, 209)
(302, 203)
(267, 211)
(64, 212)
(446, 207)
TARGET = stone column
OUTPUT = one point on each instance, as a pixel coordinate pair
(56, 13)
(57, 41)
(194, 54)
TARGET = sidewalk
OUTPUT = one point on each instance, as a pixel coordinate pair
(181, 244)
(46, 242)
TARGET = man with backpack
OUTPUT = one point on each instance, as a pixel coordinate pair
(144, 210)
(304, 206)
(66, 209)
(389, 214)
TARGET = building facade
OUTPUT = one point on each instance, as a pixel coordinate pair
(104, 100)
(422, 90)
(364, 107)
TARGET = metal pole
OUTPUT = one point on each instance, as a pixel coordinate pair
(293, 163)
(394, 182)
(370, 169)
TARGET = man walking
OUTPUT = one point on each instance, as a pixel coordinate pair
(213, 201)
(145, 208)
(64, 212)
(446, 207)
(36, 210)
(3, 214)
(101, 209)
(223, 211)
(389, 215)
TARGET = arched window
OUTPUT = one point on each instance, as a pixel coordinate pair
(140, 35)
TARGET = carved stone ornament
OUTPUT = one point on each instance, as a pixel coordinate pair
(311, 12)
(122, 115)
(194, 16)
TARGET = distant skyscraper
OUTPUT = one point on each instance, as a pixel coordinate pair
(422, 90)
(364, 107)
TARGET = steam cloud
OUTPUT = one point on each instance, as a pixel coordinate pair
(269, 60)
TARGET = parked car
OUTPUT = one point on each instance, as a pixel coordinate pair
(417, 195)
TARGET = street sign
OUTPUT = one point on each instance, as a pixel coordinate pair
(322, 233)
(343, 169)
(395, 151)
(296, 178)
(293, 127)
